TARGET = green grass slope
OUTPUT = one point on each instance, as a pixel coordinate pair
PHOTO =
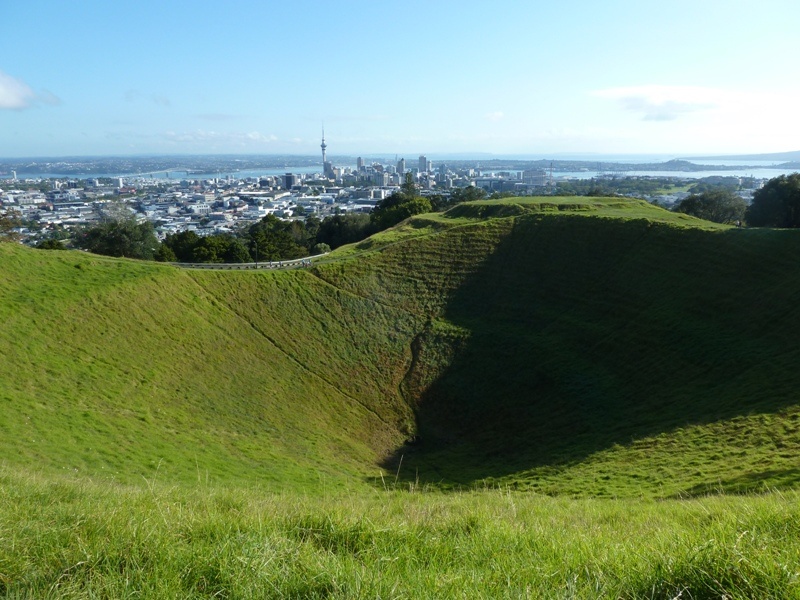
(570, 346)
(129, 370)
(598, 347)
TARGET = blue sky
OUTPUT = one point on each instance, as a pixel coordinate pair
(437, 77)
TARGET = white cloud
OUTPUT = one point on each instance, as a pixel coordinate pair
(705, 119)
(15, 94)
(494, 116)
(219, 138)
(663, 102)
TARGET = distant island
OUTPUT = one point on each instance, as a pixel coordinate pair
(788, 157)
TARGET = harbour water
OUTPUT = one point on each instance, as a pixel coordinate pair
(597, 165)
(176, 175)
(764, 173)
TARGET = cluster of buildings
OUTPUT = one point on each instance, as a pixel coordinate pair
(433, 180)
(441, 178)
(220, 205)
(225, 204)
(204, 206)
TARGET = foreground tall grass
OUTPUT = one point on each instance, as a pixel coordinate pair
(76, 539)
(222, 435)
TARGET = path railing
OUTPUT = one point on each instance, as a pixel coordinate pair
(269, 264)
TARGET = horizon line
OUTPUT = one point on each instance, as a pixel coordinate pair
(461, 155)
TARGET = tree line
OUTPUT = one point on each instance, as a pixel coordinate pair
(268, 239)
(776, 204)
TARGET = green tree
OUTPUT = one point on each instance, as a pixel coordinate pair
(189, 247)
(439, 202)
(210, 249)
(390, 211)
(237, 252)
(8, 223)
(312, 225)
(719, 205)
(708, 184)
(299, 233)
(467, 194)
(399, 206)
(165, 254)
(342, 229)
(409, 188)
(182, 245)
(120, 237)
(51, 244)
(275, 239)
(777, 204)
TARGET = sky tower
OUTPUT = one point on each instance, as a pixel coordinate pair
(327, 167)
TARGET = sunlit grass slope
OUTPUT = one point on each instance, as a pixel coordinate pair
(117, 368)
(571, 346)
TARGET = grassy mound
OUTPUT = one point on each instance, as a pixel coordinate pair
(616, 356)
(570, 346)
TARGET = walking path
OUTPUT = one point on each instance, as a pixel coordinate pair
(269, 264)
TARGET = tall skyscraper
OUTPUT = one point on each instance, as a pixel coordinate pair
(423, 164)
(401, 166)
(289, 181)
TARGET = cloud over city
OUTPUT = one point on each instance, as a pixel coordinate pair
(216, 137)
(661, 102)
(17, 95)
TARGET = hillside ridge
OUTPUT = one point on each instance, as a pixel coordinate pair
(606, 347)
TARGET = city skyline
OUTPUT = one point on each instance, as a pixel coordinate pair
(450, 79)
